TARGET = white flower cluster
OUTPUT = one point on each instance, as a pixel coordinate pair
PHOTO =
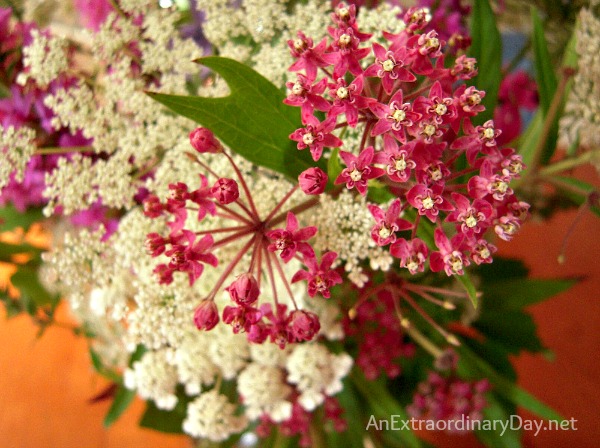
(581, 121)
(16, 148)
(44, 59)
(344, 225)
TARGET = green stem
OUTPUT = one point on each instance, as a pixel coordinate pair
(61, 150)
(548, 122)
(567, 164)
(423, 341)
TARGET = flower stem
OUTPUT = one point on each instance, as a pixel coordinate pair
(244, 186)
(567, 164)
(284, 278)
(280, 204)
(295, 210)
(62, 150)
(230, 268)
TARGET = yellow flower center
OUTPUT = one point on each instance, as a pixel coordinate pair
(388, 65)
(308, 138)
(342, 92)
(399, 115)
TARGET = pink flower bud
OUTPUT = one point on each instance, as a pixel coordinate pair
(304, 325)
(225, 191)
(313, 181)
(206, 315)
(155, 244)
(152, 207)
(203, 140)
(244, 289)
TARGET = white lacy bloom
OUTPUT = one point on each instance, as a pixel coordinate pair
(228, 351)
(582, 111)
(194, 367)
(383, 17)
(316, 373)
(16, 148)
(212, 417)
(44, 59)
(269, 355)
(264, 391)
(154, 379)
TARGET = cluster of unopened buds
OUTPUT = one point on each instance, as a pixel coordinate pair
(189, 251)
(418, 139)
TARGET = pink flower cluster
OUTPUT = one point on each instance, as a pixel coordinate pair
(268, 245)
(419, 139)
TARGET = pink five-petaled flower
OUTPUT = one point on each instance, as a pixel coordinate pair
(206, 316)
(428, 201)
(204, 141)
(347, 99)
(358, 170)
(395, 117)
(244, 289)
(320, 277)
(189, 257)
(304, 325)
(291, 239)
(345, 53)
(203, 198)
(155, 244)
(313, 181)
(389, 67)
(316, 136)
(450, 257)
(308, 96)
(412, 254)
(387, 223)
(473, 218)
(241, 318)
(397, 160)
(225, 191)
(309, 57)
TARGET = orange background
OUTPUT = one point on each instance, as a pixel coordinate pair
(45, 384)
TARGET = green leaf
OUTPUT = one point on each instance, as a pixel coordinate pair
(352, 437)
(469, 287)
(252, 120)
(383, 406)
(27, 282)
(495, 437)
(7, 251)
(546, 81)
(528, 141)
(123, 398)
(514, 329)
(11, 218)
(504, 268)
(515, 294)
(472, 366)
(487, 49)
(166, 421)
(334, 167)
(496, 354)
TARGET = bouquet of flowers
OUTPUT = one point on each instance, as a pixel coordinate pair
(275, 221)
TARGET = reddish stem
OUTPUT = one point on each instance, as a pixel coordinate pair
(230, 267)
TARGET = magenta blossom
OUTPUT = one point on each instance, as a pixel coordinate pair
(291, 239)
(321, 278)
(244, 290)
(304, 325)
(412, 254)
(387, 223)
(206, 316)
(358, 170)
(316, 136)
(450, 256)
(313, 181)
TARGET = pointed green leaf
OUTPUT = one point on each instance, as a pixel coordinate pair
(514, 329)
(546, 81)
(516, 294)
(252, 120)
(469, 287)
(496, 437)
(472, 366)
(487, 49)
(123, 399)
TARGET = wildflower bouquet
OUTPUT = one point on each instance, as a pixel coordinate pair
(301, 243)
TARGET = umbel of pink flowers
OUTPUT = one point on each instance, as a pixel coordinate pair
(414, 113)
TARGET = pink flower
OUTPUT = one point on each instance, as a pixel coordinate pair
(473, 218)
(358, 170)
(347, 99)
(398, 161)
(387, 223)
(153, 208)
(309, 57)
(291, 239)
(395, 117)
(204, 141)
(313, 181)
(241, 318)
(389, 67)
(320, 277)
(244, 290)
(308, 96)
(155, 244)
(203, 198)
(304, 325)
(206, 316)
(225, 191)
(316, 136)
(412, 254)
(482, 251)
(189, 257)
(428, 201)
(450, 257)
(345, 54)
